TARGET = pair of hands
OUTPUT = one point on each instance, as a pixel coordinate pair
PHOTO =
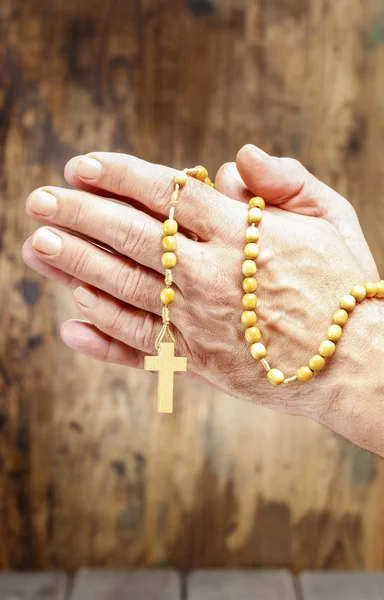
(312, 252)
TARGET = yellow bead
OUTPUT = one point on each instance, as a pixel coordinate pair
(275, 376)
(359, 292)
(316, 363)
(327, 348)
(252, 335)
(252, 234)
(249, 268)
(251, 251)
(168, 260)
(249, 285)
(380, 289)
(169, 243)
(248, 318)
(334, 333)
(180, 177)
(257, 202)
(347, 302)
(340, 317)
(304, 374)
(170, 227)
(255, 215)
(249, 301)
(258, 351)
(167, 295)
(201, 173)
(371, 289)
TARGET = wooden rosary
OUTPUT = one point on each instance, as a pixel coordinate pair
(166, 364)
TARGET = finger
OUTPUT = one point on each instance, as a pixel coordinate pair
(123, 228)
(118, 276)
(34, 262)
(88, 340)
(135, 327)
(287, 183)
(200, 208)
(229, 183)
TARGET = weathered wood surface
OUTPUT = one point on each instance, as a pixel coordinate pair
(240, 585)
(342, 586)
(34, 586)
(91, 584)
(89, 473)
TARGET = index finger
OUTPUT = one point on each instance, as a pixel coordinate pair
(201, 209)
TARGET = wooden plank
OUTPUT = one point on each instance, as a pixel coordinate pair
(127, 585)
(221, 482)
(33, 586)
(342, 586)
(240, 585)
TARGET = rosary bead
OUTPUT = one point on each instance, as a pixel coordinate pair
(334, 333)
(380, 289)
(180, 177)
(249, 285)
(249, 268)
(316, 363)
(169, 243)
(371, 289)
(248, 318)
(167, 295)
(257, 202)
(304, 374)
(201, 173)
(249, 301)
(251, 251)
(347, 302)
(340, 317)
(168, 260)
(252, 335)
(252, 234)
(255, 215)
(258, 351)
(170, 227)
(359, 292)
(327, 348)
(275, 376)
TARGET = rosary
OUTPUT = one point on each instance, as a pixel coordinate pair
(166, 364)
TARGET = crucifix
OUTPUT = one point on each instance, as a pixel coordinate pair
(166, 364)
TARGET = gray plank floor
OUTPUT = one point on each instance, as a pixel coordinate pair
(95, 584)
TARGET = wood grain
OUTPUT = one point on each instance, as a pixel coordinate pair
(89, 473)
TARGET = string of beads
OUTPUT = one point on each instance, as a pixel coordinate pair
(249, 318)
(169, 246)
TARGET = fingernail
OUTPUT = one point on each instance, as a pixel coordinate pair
(86, 297)
(233, 171)
(88, 168)
(42, 203)
(259, 150)
(47, 242)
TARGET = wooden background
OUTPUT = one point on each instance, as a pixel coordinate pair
(89, 473)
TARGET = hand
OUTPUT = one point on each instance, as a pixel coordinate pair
(312, 252)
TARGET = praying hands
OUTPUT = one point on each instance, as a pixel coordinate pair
(103, 240)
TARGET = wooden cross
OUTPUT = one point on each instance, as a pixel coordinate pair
(166, 364)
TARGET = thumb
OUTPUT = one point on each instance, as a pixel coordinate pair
(286, 183)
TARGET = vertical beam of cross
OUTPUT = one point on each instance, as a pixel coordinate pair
(166, 364)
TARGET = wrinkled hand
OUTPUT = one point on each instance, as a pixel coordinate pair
(312, 251)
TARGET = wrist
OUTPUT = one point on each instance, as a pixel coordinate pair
(349, 398)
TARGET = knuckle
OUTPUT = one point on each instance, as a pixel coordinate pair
(119, 175)
(143, 333)
(80, 261)
(130, 237)
(129, 284)
(117, 321)
(160, 192)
